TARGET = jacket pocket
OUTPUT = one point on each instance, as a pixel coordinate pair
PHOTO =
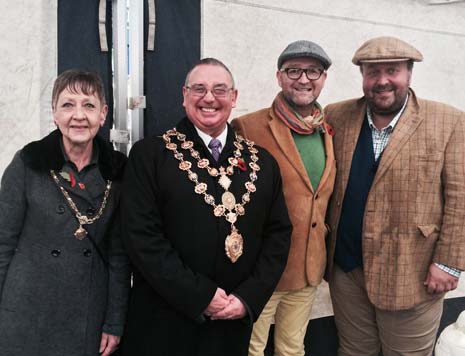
(430, 167)
(427, 231)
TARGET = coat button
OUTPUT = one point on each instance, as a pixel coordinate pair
(90, 211)
(316, 197)
(87, 252)
(55, 253)
(60, 209)
(314, 224)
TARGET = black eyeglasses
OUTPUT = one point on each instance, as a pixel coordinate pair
(201, 90)
(312, 73)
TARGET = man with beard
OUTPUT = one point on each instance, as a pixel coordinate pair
(294, 131)
(397, 214)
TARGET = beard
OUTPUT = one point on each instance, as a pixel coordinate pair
(389, 104)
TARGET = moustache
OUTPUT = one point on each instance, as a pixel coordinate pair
(381, 88)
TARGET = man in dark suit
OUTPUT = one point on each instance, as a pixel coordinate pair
(206, 228)
(397, 212)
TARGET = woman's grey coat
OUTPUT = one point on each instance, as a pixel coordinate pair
(57, 294)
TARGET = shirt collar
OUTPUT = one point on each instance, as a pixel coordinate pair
(207, 138)
(93, 159)
(393, 122)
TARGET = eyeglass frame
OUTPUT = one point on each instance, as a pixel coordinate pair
(211, 90)
(302, 71)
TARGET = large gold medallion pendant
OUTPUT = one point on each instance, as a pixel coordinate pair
(80, 233)
(233, 246)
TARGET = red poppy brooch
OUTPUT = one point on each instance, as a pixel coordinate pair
(329, 129)
(241, 164)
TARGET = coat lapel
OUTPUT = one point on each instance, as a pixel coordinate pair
(329, 152)
(404, 128)
(94, 190)
(228, 147)
(284, 140)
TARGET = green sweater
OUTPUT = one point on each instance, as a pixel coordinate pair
(312, 151)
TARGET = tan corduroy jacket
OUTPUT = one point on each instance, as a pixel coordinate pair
(415, 211)
(307, 207)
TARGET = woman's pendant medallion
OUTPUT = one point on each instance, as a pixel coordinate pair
(80, 233)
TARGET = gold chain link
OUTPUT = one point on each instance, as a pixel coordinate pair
(83, 219)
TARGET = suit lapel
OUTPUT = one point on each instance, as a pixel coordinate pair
(229, 147)
(404, 128)
(329, 152)
(284, 140)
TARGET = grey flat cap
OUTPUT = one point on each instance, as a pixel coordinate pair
(304, 48)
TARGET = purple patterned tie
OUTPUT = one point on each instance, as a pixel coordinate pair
(215, 146)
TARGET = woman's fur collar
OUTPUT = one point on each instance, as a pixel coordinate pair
(45, 154)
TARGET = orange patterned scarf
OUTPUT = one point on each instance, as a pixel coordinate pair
(303, 126)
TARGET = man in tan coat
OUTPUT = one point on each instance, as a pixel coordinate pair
(293, 130)
(397, 214)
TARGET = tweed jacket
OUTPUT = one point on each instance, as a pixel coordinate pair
(415, 210)
(306, 205)
(58, 294)
(176, 245)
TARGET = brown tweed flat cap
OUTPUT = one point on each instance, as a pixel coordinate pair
(386, 49)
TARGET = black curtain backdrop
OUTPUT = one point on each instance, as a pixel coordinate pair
(177, 48)
(79, 45)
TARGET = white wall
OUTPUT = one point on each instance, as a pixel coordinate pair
(27, 69)
(249, 36)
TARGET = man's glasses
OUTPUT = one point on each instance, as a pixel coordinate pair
(201, 90)
(312, 73)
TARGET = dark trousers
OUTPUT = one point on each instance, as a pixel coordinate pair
(167, 333)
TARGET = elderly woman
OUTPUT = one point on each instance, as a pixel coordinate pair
(64, 276)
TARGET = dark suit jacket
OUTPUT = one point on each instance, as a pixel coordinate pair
(415, 211)
(177, 246)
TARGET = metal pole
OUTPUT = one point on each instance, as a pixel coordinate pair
(120, 74)
(136, 69)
